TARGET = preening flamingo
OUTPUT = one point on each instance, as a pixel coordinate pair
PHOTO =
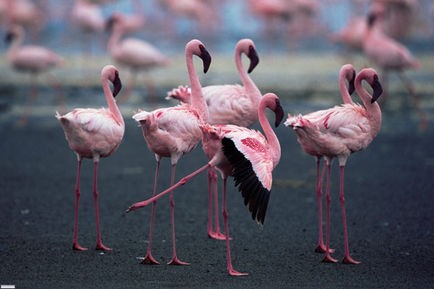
(136, 54)
(94, 134)
(337, 133)
(245, 154)
(34, 59)
(229, 104)
(174, 131)
(390, 55)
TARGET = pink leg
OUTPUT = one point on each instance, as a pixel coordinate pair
(347, 259)
(99, 244)
(149, 259)
(213, 196)
(182, 182)
(327, 257)
(75, 245)
(175, 260)
(30, 102)
(231, 270)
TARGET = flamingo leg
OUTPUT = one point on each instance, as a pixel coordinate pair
(149, 259)
(347, 259)
(130, 88)
(230, 268)
(327, 257)
(175, 260)
(416, 102)
(181, 182)
(31, 100)
(99, 244)
(213, 197)
(321, 247)
(75, 245)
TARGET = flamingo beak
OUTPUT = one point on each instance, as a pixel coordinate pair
(254, 58)
(117, 84)
(9, 37)
(351, 86)
(377, 89)
(206, 58)
(278, 111)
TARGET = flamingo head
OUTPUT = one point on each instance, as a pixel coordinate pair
(112, 21)
(279, 113)
(377, 88)
(351, 86)
(13, 32)
(273, 103)
(206, 58)
(117, 84)
(254, 58)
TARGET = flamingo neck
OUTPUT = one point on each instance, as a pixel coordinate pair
(114, 40)
(247, 82)
(346, 97)
(111, 102)
(373, 109)
(271, 137)
(197, 101)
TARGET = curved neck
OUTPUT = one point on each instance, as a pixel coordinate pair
(271, 137)
(247, 82)
(197, 101)
(114, 39)
(16, 44)
(373, 109)
(113, 107)
(346, 97)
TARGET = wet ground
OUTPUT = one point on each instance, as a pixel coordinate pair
(389, 195)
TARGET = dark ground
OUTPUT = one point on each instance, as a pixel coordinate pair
(389, 194)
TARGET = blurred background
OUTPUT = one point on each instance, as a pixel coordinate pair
(301, 44)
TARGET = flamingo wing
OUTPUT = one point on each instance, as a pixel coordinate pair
(252, 168)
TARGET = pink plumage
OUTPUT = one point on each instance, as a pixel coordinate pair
(337, 133)
(174, 131)
(246, 155)
(94, 133)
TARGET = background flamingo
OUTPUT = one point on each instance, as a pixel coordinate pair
(94, 133)
(229, 104)
(173, 132)
(339, 132)
(246, 155)
(30, 58)
(136, 54)
(390, 55)
(346, 73)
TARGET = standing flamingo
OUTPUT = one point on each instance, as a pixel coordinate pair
(136, 54)
(229, 104)
(30, 58)
(94, 133)
(173, 132)
(339, 132)
(390, 55)
(346, 73)
(246, 155)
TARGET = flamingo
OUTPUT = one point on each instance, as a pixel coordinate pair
(94, 134)
(228, 104)
(30, 58)
(337, 133)
(132, 22)
(134, 53)
(173, 132)
(390, 55)
(245, 154)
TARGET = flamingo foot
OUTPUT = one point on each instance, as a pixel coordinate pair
(234, 272)
(329, 259)
(321, 248)
(101, 247)
(77, 247)
(149, 260)
(176, 261)
(217, 236)
(349, 260)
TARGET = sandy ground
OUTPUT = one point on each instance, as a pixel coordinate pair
(389, 191)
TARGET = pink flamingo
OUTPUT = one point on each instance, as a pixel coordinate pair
(346, 73)
(390, 55)
(229, 104)
(30, 58)
(339, 132)
(246, 155)
(173, 132)
(132, 22)
(136, 54)
(94, 133)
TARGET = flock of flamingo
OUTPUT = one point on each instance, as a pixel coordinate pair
(219, 117)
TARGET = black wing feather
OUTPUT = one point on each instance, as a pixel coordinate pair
(255, 196)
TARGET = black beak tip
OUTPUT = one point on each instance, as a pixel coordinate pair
(254, 59)
(117, 85)
(377, 90)
(279, 114)
(206, 58)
